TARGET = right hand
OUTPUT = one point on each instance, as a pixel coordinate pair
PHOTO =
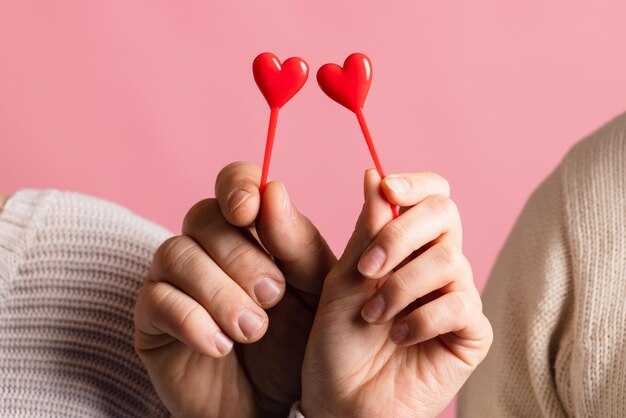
(211, 285)
(399, 327)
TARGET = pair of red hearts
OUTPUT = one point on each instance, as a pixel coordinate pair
(347, 86)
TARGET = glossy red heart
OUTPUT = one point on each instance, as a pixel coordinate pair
(349, 85)
(279, 82)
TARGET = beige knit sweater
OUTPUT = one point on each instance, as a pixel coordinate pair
(557, 295)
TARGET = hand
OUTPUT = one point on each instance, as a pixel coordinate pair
(399, 327)
(3, 200)
(214, 284)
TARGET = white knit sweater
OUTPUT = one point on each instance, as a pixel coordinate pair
(70, 269)
(557, 295)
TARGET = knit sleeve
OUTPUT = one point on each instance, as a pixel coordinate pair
(70, 269)
(527, 301)
(556, 295)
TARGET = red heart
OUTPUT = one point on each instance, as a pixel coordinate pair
(349, 85)
(277, 82)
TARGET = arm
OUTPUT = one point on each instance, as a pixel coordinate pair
(527, 300)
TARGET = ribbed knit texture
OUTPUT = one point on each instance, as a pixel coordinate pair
(557, 295)
(70, 268)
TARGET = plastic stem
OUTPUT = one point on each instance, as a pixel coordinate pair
(271, 133)
(370, 146)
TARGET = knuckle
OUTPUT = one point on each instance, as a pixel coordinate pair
(166, 250)
(426, 322)
(218, 298)
(310, 244)
(443, 182)
(154, 298)
(488, 332)
(189, 318)
(397, 235)
(430, 181)
(175, 255)
(463, 264)
(474, 294)
(400, 283)
(479, 300)
(241, 256)
(465, 271)
(446, 206)
(179, 313)
(200, 213)
(462, 305)
(445, 258)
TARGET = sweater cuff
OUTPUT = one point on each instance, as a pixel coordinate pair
(16, 229)
(295, 411)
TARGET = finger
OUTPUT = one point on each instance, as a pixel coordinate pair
(237, 190)
(162, 308)
(293, 240)
(453, 312)
(3, 200)
(440, 266)
(184, 264)
(433, 217)
(235, 252)
(408, 189)
(374, 216)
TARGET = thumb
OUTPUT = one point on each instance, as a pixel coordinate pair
(293, 240)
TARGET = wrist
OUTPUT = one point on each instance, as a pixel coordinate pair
(3, 199)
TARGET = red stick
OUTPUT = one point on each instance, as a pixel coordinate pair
(370, 146)
(269, 144)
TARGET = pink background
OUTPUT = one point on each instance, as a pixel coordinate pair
(142, 102)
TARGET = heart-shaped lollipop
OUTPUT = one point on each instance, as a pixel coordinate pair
(278, 84)
(348, 86)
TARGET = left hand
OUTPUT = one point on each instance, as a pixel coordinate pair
(399, 327)
(206, 283)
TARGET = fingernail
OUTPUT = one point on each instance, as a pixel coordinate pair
(373, 310)
(250, 323)
(237, 198)
(266, 290)
(398, 184)
(287, 206)
(399, 332)
(372, 261)
(223, 343)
